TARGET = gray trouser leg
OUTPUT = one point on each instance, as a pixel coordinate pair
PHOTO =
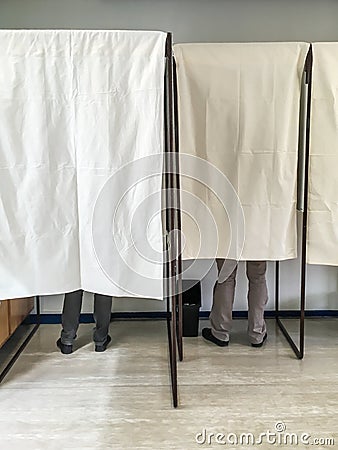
(224, 295)
(102, 313)
(257, 299)
(70, 316)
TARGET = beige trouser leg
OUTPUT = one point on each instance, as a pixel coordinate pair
(257, 300)
(224, 294)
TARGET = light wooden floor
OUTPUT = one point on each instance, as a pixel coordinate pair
(121, 399)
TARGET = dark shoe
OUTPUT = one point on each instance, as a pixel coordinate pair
(207, 334)
(65, 349)
(102, 347)
(261, 343)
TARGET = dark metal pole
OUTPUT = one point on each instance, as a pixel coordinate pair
(309, 63)
(300, 351)
(172, 331)
(277, 289)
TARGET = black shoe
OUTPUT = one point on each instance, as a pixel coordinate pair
(261, 343)
(102, 347)
(65, 349)
(207, 334)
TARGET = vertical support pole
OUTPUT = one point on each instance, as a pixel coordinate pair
(300, 351)
(38, 309)
(170, 220)
(309, 64)
(277, 289)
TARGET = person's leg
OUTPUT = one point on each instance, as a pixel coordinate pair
(224, 294)
(102, 314)
(71, 316)
(257, 300)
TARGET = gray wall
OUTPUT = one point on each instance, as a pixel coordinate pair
(189, 20)
(199, 20)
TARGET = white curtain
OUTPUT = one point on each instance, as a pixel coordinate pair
(323, 179)
(75, 108)
(239, 111)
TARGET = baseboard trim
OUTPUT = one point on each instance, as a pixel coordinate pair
(286, 314)
(162, 315)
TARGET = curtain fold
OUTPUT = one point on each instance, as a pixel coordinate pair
(77, 107)
(323, 180)
(239, 111)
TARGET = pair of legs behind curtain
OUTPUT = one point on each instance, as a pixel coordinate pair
(224, 294)
(71, 317)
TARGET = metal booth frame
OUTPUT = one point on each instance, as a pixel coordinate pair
(172, 265)
(173, 259)
(304, 183)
